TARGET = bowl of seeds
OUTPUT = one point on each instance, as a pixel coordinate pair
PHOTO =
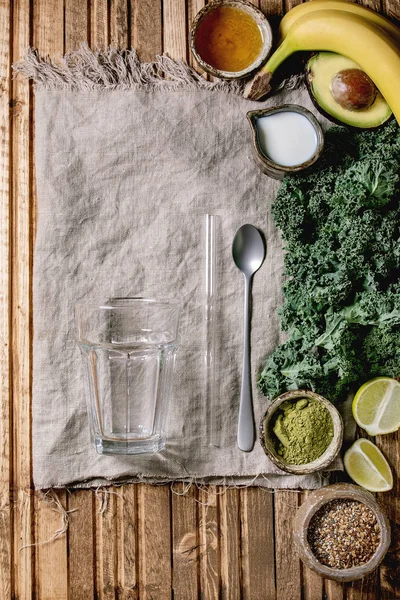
(341, 532)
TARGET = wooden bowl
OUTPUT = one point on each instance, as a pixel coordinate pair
(320, 463)
(262, 23)
(316, 500)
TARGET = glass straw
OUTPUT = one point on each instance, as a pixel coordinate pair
(210, 322)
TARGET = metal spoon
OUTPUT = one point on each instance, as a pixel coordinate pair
(248, 252)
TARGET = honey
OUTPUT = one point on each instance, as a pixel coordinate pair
(229, 39)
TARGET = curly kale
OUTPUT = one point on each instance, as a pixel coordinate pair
(340, 223)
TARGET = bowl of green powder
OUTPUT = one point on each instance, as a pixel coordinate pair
(301, 432)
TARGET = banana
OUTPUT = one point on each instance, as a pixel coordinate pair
(308, 7)
(344, 33)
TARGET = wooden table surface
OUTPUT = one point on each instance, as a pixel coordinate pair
(139, 541)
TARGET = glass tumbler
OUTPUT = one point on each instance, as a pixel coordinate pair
(128, 346)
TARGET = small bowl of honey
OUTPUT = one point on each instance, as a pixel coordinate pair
(230, 38)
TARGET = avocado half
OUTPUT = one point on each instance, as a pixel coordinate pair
(320, 71)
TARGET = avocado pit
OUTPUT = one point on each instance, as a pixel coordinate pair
(353, 89)
(344, 93)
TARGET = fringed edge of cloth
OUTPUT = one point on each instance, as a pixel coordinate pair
(112, 69)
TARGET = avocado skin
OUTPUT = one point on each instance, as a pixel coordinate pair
(309, 77)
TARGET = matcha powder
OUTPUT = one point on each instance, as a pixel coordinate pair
(303, 430)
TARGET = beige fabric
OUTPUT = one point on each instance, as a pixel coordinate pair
(124, 178)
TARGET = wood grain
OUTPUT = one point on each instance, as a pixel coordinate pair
(154, 542)
(257, 543)
(193, 7)
(81, 545)
(127, 539)
(148, 543)
(146, 28)
(288, 576)
(106, 545)
(229, 517)
(313, 584)
(22, 242)
(390, 501)
(366, 589)
(99, 25)
(209, 541)
(119, 23)
(289, 4)
(272, 7)
(185, 543)
(175, 34)
(51, 574)
(5, 283)
(334, 590)
(76, 28)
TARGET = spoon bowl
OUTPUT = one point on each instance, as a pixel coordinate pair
(248, 251)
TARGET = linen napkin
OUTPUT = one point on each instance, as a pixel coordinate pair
(129, 158)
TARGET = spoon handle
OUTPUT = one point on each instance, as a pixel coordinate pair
(246, 426)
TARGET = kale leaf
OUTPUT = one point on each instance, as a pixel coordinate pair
(340, 223)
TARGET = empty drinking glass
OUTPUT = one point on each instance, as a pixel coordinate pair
(128, 347)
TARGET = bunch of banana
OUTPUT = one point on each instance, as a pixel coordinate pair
(367, 38)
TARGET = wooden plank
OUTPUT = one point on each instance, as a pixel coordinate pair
(81, 545)
(154, 542)
(288, 576)
(99, 34)
(51, 565)
(193, 7)
(366, 589)
(119, 24)
(175, 35)
(76, 24)
(272, 7)
(22, 211)
(334, 590)
(127, 542)
(229, 517)
(6, 585)
(390, 502)
(257, 543)
(289, 4)
(312, 583)
(51, 552)
(185, 542)
(209, 541)
(146, 28)
(106, 545)
(49, 26)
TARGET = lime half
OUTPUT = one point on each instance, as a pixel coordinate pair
(367, 466)
(376, 406)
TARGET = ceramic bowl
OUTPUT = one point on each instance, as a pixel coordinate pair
(262, 23)
(312, 504)
(267, 437)
(268, 166)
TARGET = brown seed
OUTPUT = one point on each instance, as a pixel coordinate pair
(344, 534)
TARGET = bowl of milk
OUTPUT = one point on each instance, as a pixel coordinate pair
(286, 139)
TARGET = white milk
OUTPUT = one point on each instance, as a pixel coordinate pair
(286, 138)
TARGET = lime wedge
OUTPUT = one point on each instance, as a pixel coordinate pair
(376, 406)
(367, 466)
